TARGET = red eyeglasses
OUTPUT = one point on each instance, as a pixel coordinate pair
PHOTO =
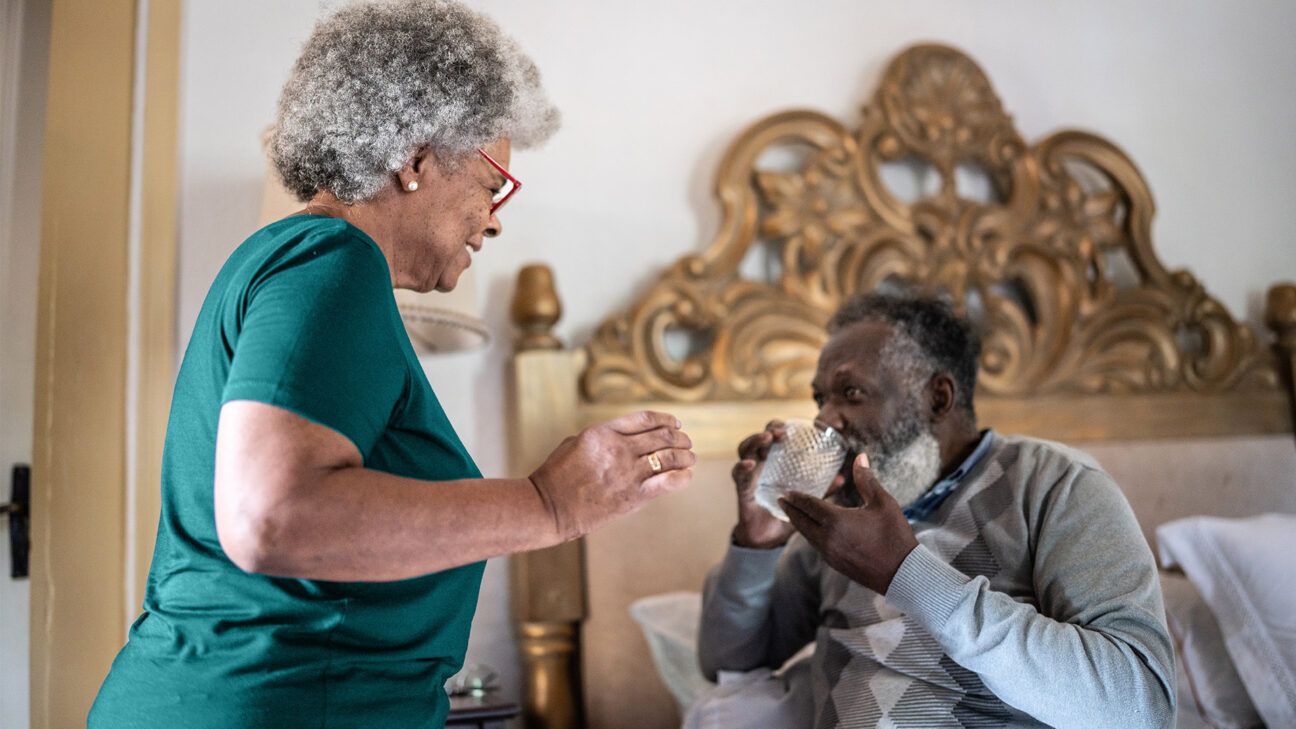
(511, 184)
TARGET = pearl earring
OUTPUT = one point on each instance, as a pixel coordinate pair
(412, 186)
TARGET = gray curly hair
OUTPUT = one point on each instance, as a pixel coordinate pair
(378, 81)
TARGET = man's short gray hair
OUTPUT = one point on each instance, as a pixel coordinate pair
(929, 338)
(377, 81)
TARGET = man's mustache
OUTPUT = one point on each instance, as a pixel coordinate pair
(855, 444)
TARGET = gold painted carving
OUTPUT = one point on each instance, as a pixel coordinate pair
(1048, 247)
(548, 585)
(553, 695)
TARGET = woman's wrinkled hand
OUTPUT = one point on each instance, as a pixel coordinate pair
(607, 471)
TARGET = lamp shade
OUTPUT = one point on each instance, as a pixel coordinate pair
(437, 323)
(440, 323)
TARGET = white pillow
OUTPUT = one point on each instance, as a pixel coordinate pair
(781, 699)
(1209, 687)
(670, 624)
(1245, 570)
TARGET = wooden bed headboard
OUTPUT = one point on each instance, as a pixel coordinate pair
(1045, 246)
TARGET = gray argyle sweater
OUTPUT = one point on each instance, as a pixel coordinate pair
(1031, 600)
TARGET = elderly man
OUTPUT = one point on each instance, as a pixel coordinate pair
(957, 578)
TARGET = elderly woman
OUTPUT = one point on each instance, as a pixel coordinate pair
(323, 528)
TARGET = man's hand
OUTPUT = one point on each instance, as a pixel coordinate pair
(757, 528)
(867, 543)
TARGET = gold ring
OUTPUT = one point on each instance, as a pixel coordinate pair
(654, 463)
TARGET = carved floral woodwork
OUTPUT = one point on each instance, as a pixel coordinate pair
(1055, 265)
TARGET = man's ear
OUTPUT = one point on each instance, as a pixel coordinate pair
(942, 393)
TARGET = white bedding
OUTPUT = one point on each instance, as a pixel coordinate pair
(1245, 570)
(1233, 618)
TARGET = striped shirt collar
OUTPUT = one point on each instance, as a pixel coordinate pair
(922, 507)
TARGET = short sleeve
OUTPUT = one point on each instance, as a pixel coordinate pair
(316, 335)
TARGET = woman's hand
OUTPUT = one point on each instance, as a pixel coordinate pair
(293, 498)
(606, 471)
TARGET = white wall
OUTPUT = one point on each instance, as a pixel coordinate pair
(1201, 94)
(24, 60)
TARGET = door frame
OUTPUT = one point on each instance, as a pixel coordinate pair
(104, 337)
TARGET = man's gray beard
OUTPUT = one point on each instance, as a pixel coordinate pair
(908, 471)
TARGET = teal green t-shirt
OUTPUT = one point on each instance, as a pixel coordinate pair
(301, 316)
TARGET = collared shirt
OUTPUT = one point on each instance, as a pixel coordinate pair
(923, 506)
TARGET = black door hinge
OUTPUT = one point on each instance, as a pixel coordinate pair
(19, 511)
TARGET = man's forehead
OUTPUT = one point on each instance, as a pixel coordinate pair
(854, 348)
(859, 340)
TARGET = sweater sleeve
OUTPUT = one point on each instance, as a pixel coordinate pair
(1096, 652)
(759, 607)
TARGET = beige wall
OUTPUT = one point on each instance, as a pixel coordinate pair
(1228, 477)
(1201, 94)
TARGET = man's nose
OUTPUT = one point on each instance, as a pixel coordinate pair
(828, 415)
(493, 227)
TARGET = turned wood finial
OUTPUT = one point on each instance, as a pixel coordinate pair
(536, 308)
(1280, 315)
(553, 691)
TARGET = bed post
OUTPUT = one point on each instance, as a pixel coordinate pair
(548, 588)
(1280, 315)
